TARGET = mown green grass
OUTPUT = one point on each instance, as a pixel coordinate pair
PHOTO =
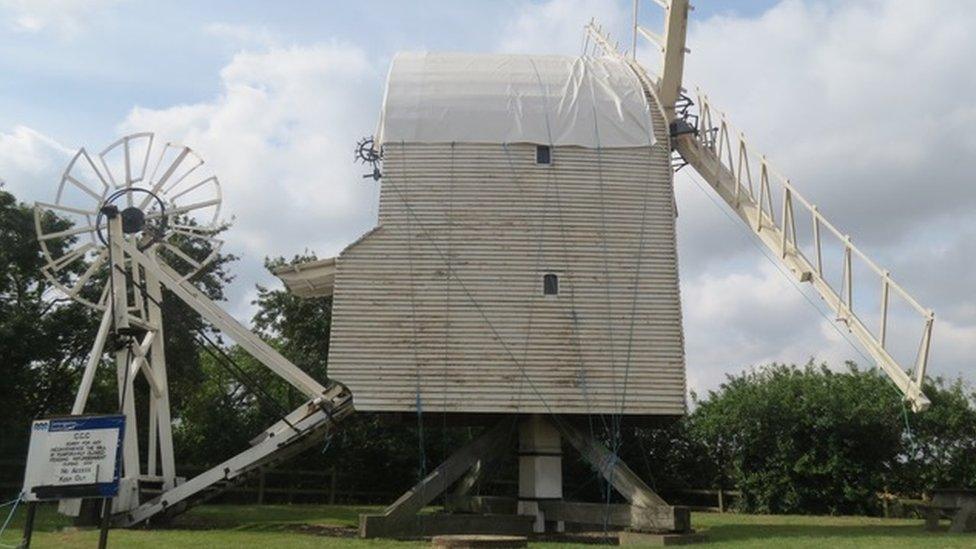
(300, 526)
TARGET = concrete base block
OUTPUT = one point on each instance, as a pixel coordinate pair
(660, 540)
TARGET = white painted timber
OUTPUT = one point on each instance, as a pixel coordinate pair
(309, 279)
(442, 306)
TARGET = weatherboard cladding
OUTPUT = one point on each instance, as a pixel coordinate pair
(407, 333)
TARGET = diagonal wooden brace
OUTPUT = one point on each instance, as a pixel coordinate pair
(656, 512)
(399, 518)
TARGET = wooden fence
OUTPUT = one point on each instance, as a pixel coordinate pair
(698, 499)
(323, 486)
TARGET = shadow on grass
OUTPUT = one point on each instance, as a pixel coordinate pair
(271, 517)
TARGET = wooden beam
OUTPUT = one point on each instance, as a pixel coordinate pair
(609, 465)
(470, 479)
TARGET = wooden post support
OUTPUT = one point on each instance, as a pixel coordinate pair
(932, 516)
(469, 479)
(332, 486)
(721, 501)
(645, 514)
(291, 489)
(106, 519)
(261, 483)
(29, 525)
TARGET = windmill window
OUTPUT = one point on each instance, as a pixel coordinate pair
(550, 284)
(543, 154)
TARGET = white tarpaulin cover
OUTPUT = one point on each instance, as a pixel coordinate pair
(544, 99)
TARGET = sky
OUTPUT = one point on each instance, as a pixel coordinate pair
(866, 105)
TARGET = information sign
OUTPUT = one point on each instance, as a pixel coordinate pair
(74, 457)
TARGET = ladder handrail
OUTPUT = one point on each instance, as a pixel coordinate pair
(743, 166)
(725, 128)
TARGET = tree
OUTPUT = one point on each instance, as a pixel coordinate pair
(804, 440)
(44, 338)
(940, 443)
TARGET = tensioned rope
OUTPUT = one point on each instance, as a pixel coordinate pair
(469, 296)
(428, 235)
(615, 434)
(553, 183)
(413, 217)
(418, 401)
(449, 220)
(616, 421)
(516, 180)
(10, 515)
(451, 271)
(569, 264)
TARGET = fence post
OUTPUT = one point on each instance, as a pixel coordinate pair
(261, 487)
(721, 501)
(291, 488)
(332, 486)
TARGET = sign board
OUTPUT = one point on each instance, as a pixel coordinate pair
(74, 457)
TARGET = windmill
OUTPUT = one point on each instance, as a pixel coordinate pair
(523, 274)
(146, 217)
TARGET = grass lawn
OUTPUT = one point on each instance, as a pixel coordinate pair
(299, 526)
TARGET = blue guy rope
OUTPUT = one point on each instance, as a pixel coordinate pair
(15, 502)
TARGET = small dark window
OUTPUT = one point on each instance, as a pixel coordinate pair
(543, 154)
(550, 284)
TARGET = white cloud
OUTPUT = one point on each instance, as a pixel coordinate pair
(859, 102)
(65, 18)
(280, 136)
(242, 35)
(746, 316)
(557, 26)
(31, 163)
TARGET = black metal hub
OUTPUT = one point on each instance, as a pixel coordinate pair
(133, 220)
